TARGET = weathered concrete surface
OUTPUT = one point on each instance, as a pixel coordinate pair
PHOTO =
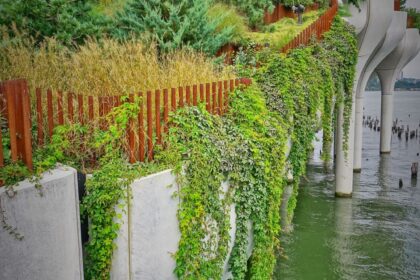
(50, 226)
(377, 23)
(149, 234)
(388, 71)
(394, 35)
(153, 226)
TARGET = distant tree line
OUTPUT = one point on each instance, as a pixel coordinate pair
(402, 84)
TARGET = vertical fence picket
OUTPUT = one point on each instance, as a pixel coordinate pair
(101, 112)
(2, 108)
(90, 108)
(208, 104)
(149, 127)
(220, 98)
(131, 139)
(27, 125)
(39, 117)
(50, 113)
(194, 95)
(173, 99)
(213, 97)
(225, 96)
(140, 118)
(165, 110)
(1, 153)
(201, 92)
(181, 96)
(60, 111)
(157, 118)
(188, 95)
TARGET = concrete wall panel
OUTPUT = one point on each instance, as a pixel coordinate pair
(50, 226)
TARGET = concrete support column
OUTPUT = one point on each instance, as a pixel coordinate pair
(358, 135)
(387, 109)
(388, 71)
(344, 159)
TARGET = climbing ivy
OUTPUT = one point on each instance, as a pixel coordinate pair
(293, 95)
(246, 149)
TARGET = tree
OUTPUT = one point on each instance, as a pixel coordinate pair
(70, 21)
(172, 25)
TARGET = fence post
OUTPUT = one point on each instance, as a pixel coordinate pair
(19, 114)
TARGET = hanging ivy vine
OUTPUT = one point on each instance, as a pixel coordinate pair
(292, 95)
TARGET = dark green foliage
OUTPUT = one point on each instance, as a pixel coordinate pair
(70, 21)
(415, 14)
(172, 25)
(246, 148)
(254, 9)
(290, 3)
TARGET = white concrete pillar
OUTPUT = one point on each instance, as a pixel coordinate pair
(392, 35)
(344, 159)
(358, 134)
(387, 110)
(371, 26)
(388, 71)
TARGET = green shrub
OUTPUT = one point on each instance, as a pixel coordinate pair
(229, 19)
(172, 25)
(253, 9)
(70, 21)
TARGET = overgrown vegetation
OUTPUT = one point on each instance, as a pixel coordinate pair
(105, 68)
(292, 95)
(278, 34)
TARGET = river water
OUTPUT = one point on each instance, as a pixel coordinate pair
(374, 235)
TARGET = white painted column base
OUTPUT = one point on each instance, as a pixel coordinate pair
(358, 136)
(387, 109)
(344, 160)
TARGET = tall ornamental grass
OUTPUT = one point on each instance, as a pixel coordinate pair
(107, 67)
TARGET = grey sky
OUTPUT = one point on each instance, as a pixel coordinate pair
(412, 70)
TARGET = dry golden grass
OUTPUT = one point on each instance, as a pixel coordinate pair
(105, 68)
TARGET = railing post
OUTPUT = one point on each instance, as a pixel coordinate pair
(19, 119)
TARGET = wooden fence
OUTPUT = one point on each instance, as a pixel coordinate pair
(58, 108)
(315, 30)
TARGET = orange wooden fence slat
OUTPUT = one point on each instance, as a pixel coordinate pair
(195, 95)
(220, 98)
(165, 110)
(157, 117)
(181, 96)
(131, 139)
(173, 99)
(140, 118)
(208, 104)
(188, 95)
(201, 92)
(226, 93)
(91, 108)
(39, 117)
(50, 113)
(27, 125)
(1, 152)
(149, 127)
(101, 111)
(213, 97)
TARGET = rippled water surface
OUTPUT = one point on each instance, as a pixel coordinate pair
(374, 235)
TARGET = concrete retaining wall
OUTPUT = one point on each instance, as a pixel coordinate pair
(46, 242)
(150, 233)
